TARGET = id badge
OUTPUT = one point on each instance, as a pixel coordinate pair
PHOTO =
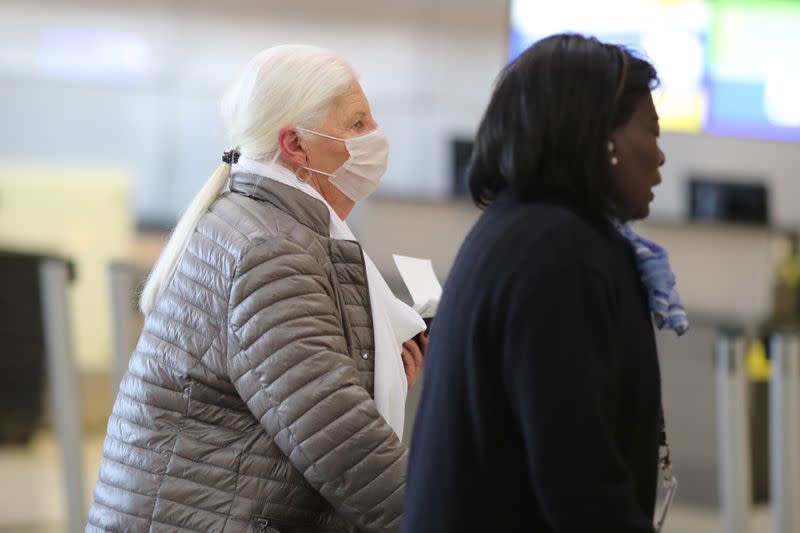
(670, 486)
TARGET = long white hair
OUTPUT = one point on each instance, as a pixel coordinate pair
(283, 85)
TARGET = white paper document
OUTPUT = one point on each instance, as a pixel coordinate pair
(422, 283)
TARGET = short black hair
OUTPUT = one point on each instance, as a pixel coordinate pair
(545, 132)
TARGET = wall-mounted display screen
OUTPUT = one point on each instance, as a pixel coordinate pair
(727, 67)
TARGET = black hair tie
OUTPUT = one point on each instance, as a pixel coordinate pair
(231, 157)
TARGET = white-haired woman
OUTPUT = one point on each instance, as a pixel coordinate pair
(267, 389)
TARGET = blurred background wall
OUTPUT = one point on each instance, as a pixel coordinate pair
(137, 86)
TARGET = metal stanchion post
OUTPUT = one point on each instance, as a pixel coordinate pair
(784, 427)
(120, 280)
(735, 480)
(54, 280)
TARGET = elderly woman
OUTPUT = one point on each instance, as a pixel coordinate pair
(267, 389)
(544, 363)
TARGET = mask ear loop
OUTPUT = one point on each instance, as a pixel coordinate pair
(309, 170)
(322, 134)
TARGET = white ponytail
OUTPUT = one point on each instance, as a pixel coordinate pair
(284, 85)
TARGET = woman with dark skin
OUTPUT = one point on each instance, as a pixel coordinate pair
(541, 406)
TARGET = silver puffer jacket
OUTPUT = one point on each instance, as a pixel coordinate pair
(247, 405)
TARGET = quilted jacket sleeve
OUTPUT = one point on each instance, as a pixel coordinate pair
(289, 363)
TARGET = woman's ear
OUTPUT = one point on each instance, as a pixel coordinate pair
(290, 146)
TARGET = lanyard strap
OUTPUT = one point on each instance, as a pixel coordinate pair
(664, 460)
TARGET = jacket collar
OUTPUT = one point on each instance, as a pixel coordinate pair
(297, 204)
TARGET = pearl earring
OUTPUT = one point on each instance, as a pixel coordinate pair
(614, 159)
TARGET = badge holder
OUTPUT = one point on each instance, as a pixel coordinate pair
(670, 486)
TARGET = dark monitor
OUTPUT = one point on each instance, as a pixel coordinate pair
(713, 200)
(461, 152)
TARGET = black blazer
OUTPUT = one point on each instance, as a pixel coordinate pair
(542, 391)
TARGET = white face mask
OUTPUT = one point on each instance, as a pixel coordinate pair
(359, 176)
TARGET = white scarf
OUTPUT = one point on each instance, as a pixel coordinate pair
(393, 322)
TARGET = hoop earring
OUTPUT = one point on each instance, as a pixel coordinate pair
(308, 174)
